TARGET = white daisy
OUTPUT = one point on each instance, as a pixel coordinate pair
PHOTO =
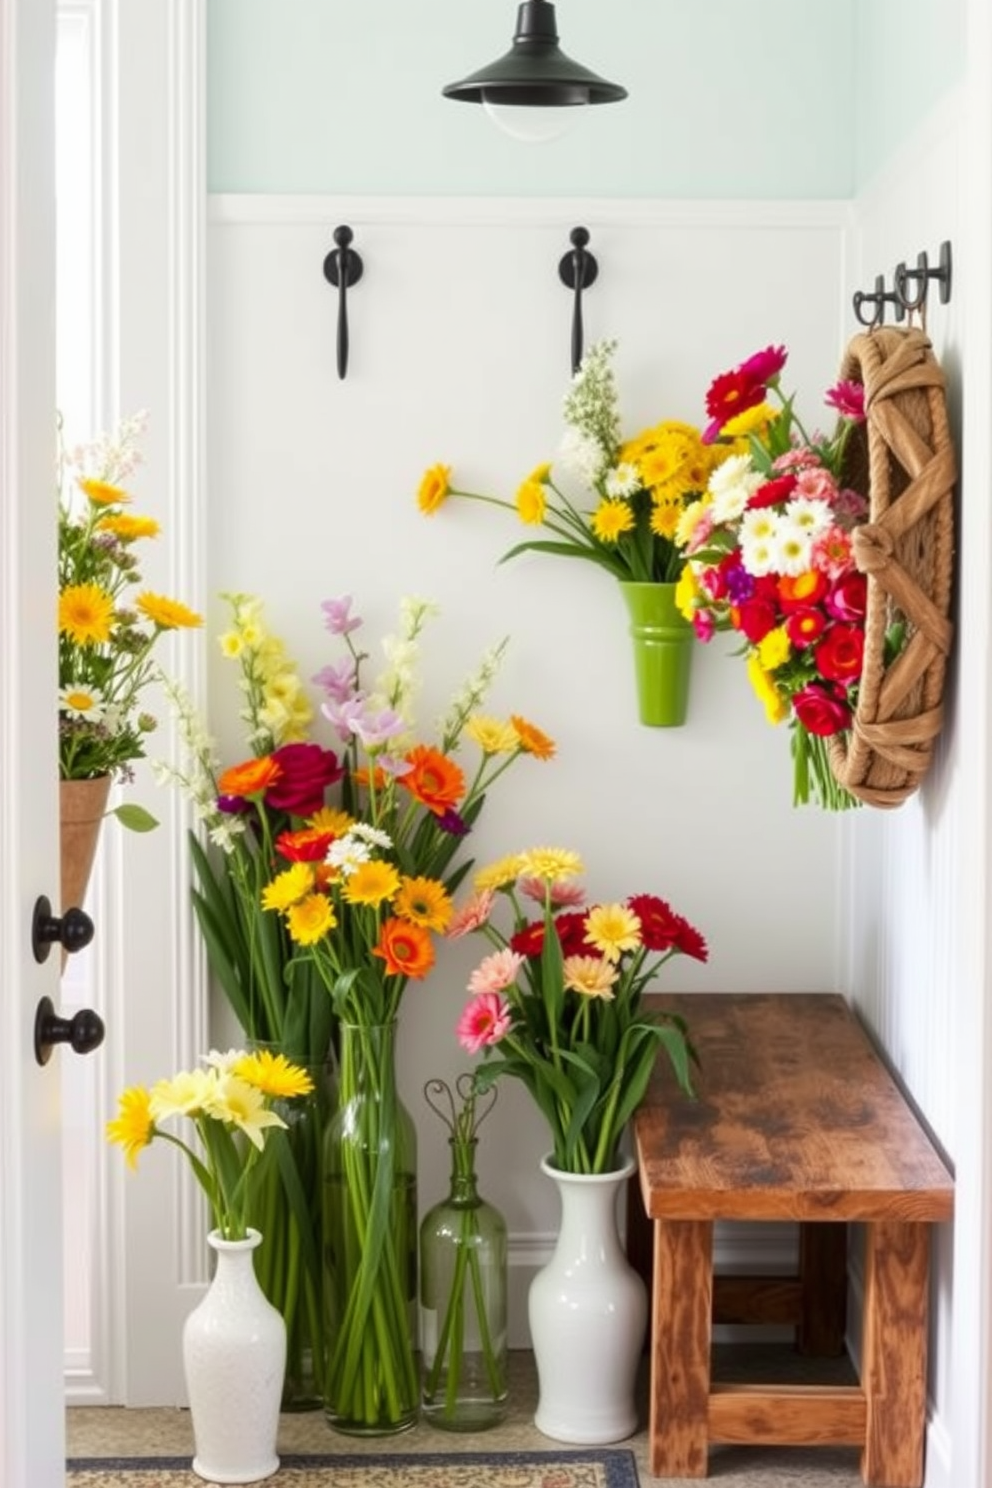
(759, 556)
(810, 513)
(374, 836)
(80, 701)
(345, 853)
(794, 549)
(731, 486)
(624, 480)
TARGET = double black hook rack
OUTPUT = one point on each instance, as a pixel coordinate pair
(909, 291)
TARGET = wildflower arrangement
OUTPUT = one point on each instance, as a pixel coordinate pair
(558, 1003)
(633, 490)
(286, 843)
(328, 878)
(229, 1103)
(769, 555)
(108, 625)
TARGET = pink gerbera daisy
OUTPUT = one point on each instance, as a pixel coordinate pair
(496, 972)
(485, 1020)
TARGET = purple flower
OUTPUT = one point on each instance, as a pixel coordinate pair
(338, 681)
(342, 715)
(373, 729)
(449, 821)
(336, 616)
(234, 805)
(740, 585)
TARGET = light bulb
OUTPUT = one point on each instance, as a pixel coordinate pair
(533, 125)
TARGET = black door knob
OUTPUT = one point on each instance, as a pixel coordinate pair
(83, 1033)
(74, 930)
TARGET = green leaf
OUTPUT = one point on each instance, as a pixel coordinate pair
(134, 817)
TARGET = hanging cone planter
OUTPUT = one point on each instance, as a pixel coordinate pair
(903, 457)
(663, 643)
(82, 807)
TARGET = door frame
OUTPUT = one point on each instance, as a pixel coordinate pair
(32, 1442)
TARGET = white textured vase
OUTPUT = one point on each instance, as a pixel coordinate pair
(588, 1311)
(234, 1356)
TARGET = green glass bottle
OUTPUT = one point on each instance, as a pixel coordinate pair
(463, 1300)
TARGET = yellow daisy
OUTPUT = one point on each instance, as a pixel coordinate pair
(592, 976)
(235, 1101)
(86, 614)
(493, 735)
(531, 503)
(309, 920)
(774, 648)
(497, 875)
(330, 819)
(752, 421)
(424, 901)
(613, 929)
(611, 519)
(371, 883)
(434, 488)
(128, 527)
(273, 1074)
(231, 644)
(132, 1128)
(186, 1094)
(551, 864)
(167, 614)
(102, 493)
(288, 887)
(775, 706)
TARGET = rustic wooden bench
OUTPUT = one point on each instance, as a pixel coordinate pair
(796, 1118)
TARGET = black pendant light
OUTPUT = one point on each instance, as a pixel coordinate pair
(534, 73)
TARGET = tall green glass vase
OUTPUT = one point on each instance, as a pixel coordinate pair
(371, 1386)
(663, 644)
(285, 1204)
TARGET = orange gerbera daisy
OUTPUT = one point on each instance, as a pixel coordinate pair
(250, 778)
(307, 845)
(406, 949)
(424, 901)
(532, 740)
(433, 779)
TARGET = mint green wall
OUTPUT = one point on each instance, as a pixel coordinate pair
(728, 98)
(907, 55)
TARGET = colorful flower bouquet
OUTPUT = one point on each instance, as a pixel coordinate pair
(558, 1004)
(769, 553)
(108, 625)
(635, 489)
(317, 911)
(230, 1105)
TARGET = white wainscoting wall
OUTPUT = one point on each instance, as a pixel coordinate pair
(460, 353)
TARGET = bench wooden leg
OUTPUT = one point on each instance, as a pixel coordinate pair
(823, 1273)
(681, 1330)
(894, 1352)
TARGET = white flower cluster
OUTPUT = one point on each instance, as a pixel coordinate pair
(592, 411)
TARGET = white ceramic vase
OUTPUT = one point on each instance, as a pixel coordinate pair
(588, 1312)
(234, 1356)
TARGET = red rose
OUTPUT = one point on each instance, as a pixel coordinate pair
(756, 617)
(840, 654)
(848, 599)
(307, 771)
(821, 712)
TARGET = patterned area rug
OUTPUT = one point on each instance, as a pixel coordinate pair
(600, 1468)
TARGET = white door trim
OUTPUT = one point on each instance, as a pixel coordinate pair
(32, 1431)
(153, 971)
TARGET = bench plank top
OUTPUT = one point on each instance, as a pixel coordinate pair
(796, 1117)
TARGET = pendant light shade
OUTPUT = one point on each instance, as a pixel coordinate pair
(535, 73)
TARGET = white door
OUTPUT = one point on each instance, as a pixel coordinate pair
(32, 1432)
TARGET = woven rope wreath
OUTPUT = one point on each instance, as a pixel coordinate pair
(903, 456)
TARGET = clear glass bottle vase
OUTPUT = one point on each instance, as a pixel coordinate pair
(463, 1303)
(370, 1241)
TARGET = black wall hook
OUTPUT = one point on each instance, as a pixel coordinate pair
(343, 268)
(879, 298)
(921, 276)
(577, 270)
